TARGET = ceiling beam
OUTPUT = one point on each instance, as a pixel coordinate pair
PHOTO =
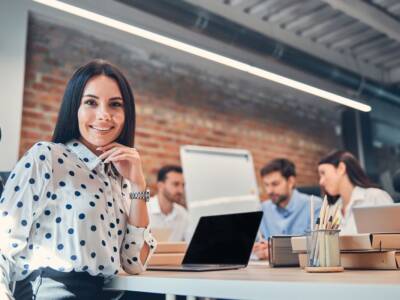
(344, 60)
(369, 15)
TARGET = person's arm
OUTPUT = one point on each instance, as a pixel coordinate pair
(22, 201)
(260, 249)
(383, 197)
(138, 244)
(317, 209)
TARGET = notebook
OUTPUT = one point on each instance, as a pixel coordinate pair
(220, 242)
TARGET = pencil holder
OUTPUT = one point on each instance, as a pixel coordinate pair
(323, 251)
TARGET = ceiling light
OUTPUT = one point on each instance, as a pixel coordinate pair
(157, 38)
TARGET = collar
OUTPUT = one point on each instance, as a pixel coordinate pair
(84, 154)
(155, 208)
(358, 194)
(291, 206)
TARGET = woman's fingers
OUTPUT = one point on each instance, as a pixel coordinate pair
(123, 154)
(113, 153)
(113, 148)
(107, 153)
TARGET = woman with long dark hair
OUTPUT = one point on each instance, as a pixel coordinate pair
(343, 179)
(74, 210)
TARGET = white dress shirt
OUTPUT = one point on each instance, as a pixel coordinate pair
(177, 220)
(63, 208)
(362, 197)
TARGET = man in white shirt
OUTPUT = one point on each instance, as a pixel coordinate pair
(167, 209)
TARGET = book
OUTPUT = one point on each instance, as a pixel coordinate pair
(171, 247)
(373, 241)
(370, 260)
(357, 242)
(299, 244)
(374, 260)
(159, 259)
(280, 252)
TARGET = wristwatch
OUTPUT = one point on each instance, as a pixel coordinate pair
(145, 195)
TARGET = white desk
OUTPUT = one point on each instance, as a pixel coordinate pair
(261, 282)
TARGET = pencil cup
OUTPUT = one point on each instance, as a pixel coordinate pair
(323, 251)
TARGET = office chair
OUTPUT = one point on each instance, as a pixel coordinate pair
(310, 190)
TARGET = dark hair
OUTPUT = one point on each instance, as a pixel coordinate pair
(67, 127)
(283, 165)
(163, 172)
(356, 174)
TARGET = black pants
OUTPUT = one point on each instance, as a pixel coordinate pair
(48, 284)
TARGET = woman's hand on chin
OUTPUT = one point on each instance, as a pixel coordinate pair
(127, 162)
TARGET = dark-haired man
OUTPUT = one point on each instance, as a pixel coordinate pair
(167, 209)
(288, 210)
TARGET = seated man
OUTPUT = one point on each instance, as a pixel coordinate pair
(166, 208)
(288, 210)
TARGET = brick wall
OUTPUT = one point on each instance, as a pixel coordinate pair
(176, 104)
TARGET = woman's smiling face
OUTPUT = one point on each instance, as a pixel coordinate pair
(101, 114)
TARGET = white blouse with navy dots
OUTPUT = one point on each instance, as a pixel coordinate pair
(63, 208)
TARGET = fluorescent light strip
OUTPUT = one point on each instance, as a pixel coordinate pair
(157, 38)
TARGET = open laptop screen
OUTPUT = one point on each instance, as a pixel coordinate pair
(223, 239)
(378, 218)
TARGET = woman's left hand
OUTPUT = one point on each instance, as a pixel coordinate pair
(127, 162)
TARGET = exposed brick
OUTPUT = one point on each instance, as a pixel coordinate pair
(176, 105)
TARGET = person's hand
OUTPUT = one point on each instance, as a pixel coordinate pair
(127, 162)
(260, 249)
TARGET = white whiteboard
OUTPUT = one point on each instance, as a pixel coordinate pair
(218, 181)
(217, 173)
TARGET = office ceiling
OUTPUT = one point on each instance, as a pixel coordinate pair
(354, 44)
(361, 36)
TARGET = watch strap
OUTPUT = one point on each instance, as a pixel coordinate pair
(145, 195)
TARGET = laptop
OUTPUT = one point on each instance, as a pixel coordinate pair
(377, 219)
(221, 242)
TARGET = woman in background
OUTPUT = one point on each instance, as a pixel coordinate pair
(343, 179)
(73, 211)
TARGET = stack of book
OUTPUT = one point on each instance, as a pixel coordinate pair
(168, 253)
(375, 251)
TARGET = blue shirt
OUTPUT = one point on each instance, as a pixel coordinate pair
(294, 219)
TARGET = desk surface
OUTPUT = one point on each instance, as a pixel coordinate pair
(261, 282)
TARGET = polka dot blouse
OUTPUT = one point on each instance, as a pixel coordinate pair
(63, 208)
